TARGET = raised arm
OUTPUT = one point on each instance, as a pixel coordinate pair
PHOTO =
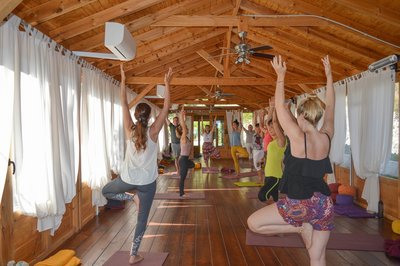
(213, 125)
(278, 130)
(128, 122)
(182, 118)
(158, 124)
(289, 126)
(329, 117)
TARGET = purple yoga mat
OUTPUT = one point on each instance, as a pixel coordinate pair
(210, 170)
(121, 258)
(352, 211)
(337, 241)
(175, 196)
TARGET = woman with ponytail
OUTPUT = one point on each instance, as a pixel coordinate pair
(139, 170)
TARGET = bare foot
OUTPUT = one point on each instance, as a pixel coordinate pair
(184, 196)
(306, 232)
(135, 259)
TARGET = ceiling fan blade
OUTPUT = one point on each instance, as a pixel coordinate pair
(269, 56)
(260, 48)
(227, 94)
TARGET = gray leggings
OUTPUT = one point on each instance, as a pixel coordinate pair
(116, 190)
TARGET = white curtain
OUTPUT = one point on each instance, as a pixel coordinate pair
(9, 77)
(44, 130)
(101, 126)
(370, 102)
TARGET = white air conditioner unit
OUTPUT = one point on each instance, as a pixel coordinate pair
(160, 92)
(118, 40)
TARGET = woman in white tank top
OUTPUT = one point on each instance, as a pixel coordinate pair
(139, 170)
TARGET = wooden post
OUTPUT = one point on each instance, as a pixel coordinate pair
(7, 249)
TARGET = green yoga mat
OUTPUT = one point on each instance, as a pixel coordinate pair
(248, 184)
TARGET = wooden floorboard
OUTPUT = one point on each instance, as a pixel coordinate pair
(210, 231)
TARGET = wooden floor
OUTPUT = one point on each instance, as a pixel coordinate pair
(210, 231)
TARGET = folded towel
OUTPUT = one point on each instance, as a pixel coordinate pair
(73, 262)
(61, 258)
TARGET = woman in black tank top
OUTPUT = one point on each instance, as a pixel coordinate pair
(308, 208)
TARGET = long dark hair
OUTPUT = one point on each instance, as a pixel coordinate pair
(139, 132)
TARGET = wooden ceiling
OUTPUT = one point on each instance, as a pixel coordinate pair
(189, 36)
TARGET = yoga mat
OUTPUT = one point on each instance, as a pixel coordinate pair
(352, 211)
(121, 258)
(245, 174)
(248, 184)
(175, 196)
(210, 170)
(338, 241)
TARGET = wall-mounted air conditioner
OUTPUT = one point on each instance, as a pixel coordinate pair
(118, 40)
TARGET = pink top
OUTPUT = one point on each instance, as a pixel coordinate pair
(267, 139)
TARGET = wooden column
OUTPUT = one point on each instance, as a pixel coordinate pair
(7, 249)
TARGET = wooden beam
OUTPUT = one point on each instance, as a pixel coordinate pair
(305, 88)
(98, 19)
(217, 65)
(236, 81)
(145, 21)
(6, 6)
(141, 95)
(51, 9)
(235, 21)
(227, 71)
(207, 91)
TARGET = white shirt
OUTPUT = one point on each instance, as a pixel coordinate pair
(208, 137)
(140, 168)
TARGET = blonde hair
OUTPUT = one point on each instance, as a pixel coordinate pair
(312, 108)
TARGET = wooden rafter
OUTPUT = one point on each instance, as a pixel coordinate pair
(234, 21)
(6, 6)
(141, 95)
(236, 81)
(98, 19)
(206, 56)
(52, 9)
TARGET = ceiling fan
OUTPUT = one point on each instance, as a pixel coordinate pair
(219, 94)
(244, 51)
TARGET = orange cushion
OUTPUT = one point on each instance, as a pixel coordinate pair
(396, 226)
(347, 190)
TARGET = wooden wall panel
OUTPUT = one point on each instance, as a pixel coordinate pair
(388, 191)
(87, 210)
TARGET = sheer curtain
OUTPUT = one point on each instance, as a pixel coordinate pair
(9, 76)
(44, 130)
(370, 102)
(101, 127)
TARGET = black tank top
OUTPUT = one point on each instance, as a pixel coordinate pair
(303, 176)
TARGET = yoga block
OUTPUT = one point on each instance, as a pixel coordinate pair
(342, 199)
(396, 226)
(197, 166)
(333, 187)
(347, 190)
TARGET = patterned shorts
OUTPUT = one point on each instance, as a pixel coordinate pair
(318, 211)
